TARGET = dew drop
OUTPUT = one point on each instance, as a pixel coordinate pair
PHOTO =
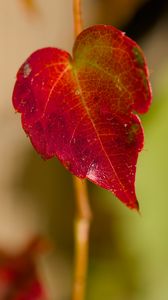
(92, 174)
(93, 166)
(77, 92)
(26, 70)
(22, 101)
(32, 109)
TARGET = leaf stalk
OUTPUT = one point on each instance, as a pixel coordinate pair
(83, 211)
(78, 24)
(81, 232)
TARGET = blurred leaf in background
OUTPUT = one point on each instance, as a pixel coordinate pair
(19, 278)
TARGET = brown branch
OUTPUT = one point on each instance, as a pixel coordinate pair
(82, 226)
(77, 16)
(83, 212)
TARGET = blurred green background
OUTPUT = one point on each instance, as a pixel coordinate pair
(128, 252)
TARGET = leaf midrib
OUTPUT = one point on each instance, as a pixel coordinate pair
(95, 129)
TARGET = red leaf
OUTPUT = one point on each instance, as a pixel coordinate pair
(80, 109)
(19, 279)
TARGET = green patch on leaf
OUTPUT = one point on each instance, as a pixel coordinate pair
(138, 56)
(133, 131)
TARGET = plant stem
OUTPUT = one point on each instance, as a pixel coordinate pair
(77, 16)
(83, 211)
(82, 226)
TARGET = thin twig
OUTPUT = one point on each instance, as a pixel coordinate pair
(82, 226)
(83, 211)
(77, 16)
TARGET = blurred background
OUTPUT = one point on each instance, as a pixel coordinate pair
(128, 252)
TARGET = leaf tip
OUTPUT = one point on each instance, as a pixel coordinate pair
(133, 205)
(138, 55)
(137, 207)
